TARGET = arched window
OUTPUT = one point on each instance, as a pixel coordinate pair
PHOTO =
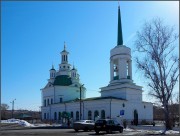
(55, 116)
(44, 115)
(60, 100)
(48, 102)
(51, 100)
(71, 114)
(77, 115)
(45, 102)
(123, 105)
(96, 114)
(59, 117)
(89, 115)
(103, 114)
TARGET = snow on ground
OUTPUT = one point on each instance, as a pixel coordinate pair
(150, 130)
(27, 124)
(18, 121)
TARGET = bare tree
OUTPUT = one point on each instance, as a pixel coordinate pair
(160, 65)
(4, 108)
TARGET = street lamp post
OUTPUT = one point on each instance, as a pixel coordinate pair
(80, 101)
(13, 107)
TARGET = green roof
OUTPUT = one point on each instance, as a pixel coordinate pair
(63, 80)
(100, 98)
(120, 35)
(52, 69)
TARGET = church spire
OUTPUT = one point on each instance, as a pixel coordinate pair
(120, 35)
(52, 66)
(64, 46)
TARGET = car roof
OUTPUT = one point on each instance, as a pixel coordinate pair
(83, 120)
(105, 119)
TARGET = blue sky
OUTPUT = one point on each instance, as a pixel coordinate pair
(33, 34)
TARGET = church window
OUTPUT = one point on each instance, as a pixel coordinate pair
(45, 102)
(48, 102)
(103, 114)
(144, 106)
(71, 114)
(89, 115)
(44, 115)
(59, 117)
(96, 114)
(123, 105)
(55, 116)
(51, 100)
(77, 115)
(61, 100)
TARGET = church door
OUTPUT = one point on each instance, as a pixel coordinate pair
(135, 117)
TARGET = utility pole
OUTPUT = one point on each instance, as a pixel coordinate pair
(12, 107)
(80, 101)
(179, 108)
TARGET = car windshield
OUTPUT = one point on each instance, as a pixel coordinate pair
(100, 121)
(115, 122)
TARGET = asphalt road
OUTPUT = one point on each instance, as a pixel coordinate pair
(60, 132)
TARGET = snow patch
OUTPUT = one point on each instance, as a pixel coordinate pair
(18, 121)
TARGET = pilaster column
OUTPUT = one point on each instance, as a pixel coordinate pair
(111, 70)
(122, 68)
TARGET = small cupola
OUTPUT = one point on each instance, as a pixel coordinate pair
(74, 72)
(64, 55)
(52, 72)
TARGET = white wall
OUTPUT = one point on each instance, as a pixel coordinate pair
(104, 104)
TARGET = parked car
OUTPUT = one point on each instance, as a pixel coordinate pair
(83, 125)
(107, 125)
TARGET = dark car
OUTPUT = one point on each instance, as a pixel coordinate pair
(107, 125)
(83, 125)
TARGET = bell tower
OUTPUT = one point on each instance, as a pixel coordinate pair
(120, 58)
(121, 84)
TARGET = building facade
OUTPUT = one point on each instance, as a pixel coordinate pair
(64, 95)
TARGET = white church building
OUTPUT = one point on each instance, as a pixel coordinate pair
(64, 96)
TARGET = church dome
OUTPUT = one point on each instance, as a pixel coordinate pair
(63, 80)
